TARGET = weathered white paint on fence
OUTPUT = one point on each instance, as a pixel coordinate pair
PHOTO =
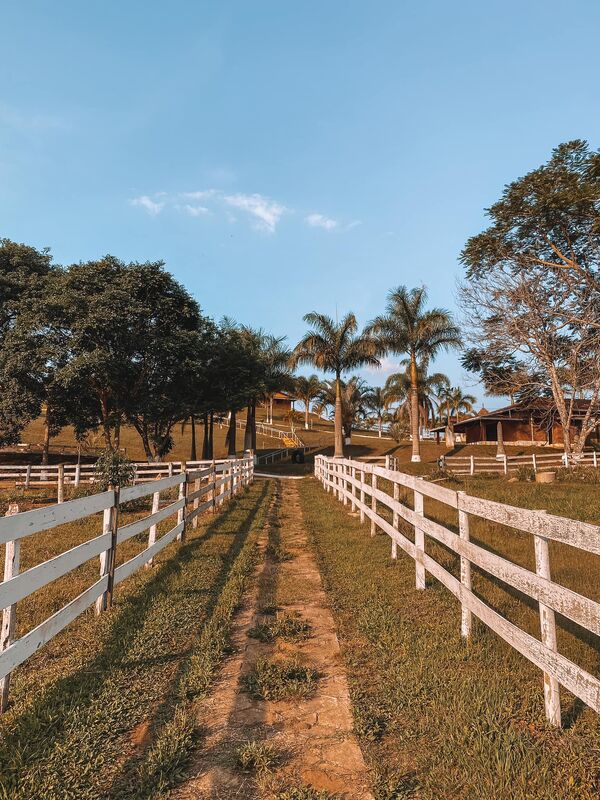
(538, 585)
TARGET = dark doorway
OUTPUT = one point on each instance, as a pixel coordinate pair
(491, 431)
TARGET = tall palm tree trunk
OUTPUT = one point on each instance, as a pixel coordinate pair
(231, 435)
(339, 437)
(414, 408)
(306, 407)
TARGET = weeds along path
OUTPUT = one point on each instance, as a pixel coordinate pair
(278, 722)
(437, 719)
(105, 710)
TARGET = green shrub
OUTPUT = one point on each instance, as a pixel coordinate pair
(113, 469)
(525, 473)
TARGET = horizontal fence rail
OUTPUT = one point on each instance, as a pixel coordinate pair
(356, 483)
(199, 488)
(505, 464)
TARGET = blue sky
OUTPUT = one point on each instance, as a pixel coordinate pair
(282, 157)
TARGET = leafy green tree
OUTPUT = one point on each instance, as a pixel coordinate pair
(335, 347)
(407, 327)
(531, 294)
(23, 274)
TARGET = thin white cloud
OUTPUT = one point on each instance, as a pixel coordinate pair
(204, 194)
(148, 204)
(194, 211)
(320, 221)
(267, 212)
(354, 224)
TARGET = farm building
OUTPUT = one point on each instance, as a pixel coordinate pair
(522, 424)
(282, 402)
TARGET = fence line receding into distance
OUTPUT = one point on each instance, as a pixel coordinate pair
(197, 490)
(356, 483)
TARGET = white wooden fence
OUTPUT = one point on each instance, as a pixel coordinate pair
(198, 490)
(353, 482)
(504, 464)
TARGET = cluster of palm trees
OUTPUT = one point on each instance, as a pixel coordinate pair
(407, 329)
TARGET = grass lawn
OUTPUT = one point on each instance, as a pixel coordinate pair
(437, 718)
(105, 709)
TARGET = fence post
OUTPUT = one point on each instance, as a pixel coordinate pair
(196, 502)
(534, 462)
(77, 474)
(111, 555)
(212, 493)
(12, 555)
(182, 496)
(353, 489)
(60, 481)
(104, 557)
(395, 519)
(170, 469)
(362, 496)
(28, 476)
(472, 465)
(466, 616)
(595, 458)
(387, 462)
(505, 464)
(373, 501)
(419, 543)
(345, 469)
(548, 631)
(152, 531)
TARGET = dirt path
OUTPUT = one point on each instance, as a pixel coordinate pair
(311, 737)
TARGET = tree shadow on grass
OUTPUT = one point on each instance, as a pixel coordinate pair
(34, 734)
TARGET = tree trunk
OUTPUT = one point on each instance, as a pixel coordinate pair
(379, 421)
(211, 439)
(248, 430)
(193, 445)
(253, 429)
(414, 408)
(306, 412)
(205, 450)
(339, 437)
(231, 435)
(46, 446)
(118, 434)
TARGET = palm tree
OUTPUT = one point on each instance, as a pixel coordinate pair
(355, 398)
(306, 390)
(397, 390)
(376, 402)
(335, 347)
(455, 401)
(407, 327)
